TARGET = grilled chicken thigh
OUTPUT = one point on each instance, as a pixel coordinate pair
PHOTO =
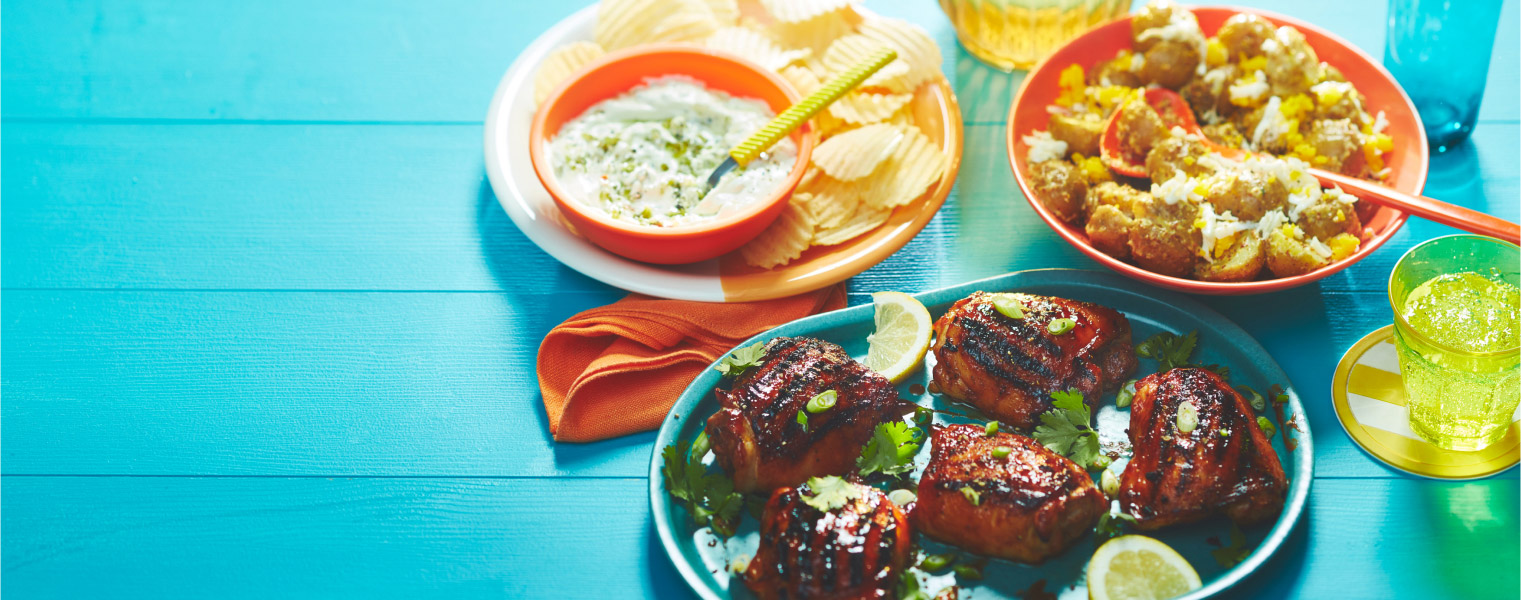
(1027, 506)
(1008, 367)
(757, 436)
(855, 551)
(1224, 465)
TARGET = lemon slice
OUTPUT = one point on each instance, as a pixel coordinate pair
(1136, 567)
(902, 336)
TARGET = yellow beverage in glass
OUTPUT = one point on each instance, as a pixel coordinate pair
(1458, 331)
(1016, 34)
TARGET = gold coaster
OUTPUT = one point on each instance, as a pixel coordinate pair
(1370, 403)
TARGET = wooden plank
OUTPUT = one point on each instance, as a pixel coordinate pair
(323, 538)
(342, 384)
(279, 537)
(408, 208)
(354, 60)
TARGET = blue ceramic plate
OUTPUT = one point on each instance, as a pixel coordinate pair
(704, 559)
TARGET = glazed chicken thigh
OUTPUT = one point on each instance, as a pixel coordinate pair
(757, 435)
(1026, 506)
(1008, 367)
(854, 551)
(1224, 464)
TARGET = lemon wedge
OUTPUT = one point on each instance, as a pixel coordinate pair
(1136, 567)
(902, 335)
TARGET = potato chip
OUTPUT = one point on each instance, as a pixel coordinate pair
(915, 47)
(560, 65)
(783, 241)
(915, 164)
(753, 45)
(817, 33)
(802, 78)
(865, 219)
(856, 153)
(793, 11)
(829, 202)
(850, 51)
(725, 12)
(864, 107)
(827, 125)
(624, 23)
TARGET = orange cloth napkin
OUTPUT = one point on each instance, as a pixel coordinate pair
(617, 369)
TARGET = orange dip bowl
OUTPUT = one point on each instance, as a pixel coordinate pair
(621, 71)
(1407, 162)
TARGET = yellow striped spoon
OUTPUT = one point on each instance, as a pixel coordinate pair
(794, 117)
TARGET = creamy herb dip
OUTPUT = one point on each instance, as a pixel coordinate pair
(644, 157)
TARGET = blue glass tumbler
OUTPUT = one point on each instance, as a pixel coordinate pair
(1439, 51)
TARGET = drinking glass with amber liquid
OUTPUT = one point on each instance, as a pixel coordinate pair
(1456, 305)
(1016, 34)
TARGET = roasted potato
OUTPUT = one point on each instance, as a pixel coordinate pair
(1211, 92)
(1243, 34)
(1108, 230)
(1115, 71)
(1224, 134)
(1081, 132)
(1061, 189)
(1349, 105)
(1242, 262)
(1336, 140)
(1118, 195)
(1289, 256)
(1174, 155)
(1330, 216)
(1139, 127)
(1154, 14)
(1170, 63)
(1163, 238)
(1292, 66)
(1247, 195)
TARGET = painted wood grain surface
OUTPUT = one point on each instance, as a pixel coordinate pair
(265, 332)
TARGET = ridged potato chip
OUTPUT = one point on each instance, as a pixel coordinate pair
(561, 63)
(851, 50)
(802, 78)
(624, 23)
(864, 107)
(782, 242)
(915, 47)
(725, 12)
(793, 11)
(828, 201)
(865, 219)
(856, 153)
(915, 164)
(754, 45)
(817, 33)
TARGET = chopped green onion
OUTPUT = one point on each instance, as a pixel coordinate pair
(972, 496)
(1110, 483)
(902, 497)
(991, 429)
(1127, 393)
(822, 402)
(1188, 418)
(802, 419)
(1252, 397)
(701, 445)
(1060, 326)
(937, 562)
(1101, 462)
(1267, 426)
(1002, 452)
(1008, 306)
(967, 571)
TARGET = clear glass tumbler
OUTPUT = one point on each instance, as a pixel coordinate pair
(1439, 51)
(1456, 331)
(1016, 34)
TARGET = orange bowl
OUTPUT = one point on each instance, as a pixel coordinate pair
(621, 71)
(1407, 162)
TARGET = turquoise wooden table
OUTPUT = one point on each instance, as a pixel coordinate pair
(267, 333)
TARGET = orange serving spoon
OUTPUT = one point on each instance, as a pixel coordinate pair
(1435, 210)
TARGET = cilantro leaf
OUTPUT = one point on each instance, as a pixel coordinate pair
(1111, 525)
(1065, 430)
(830, 493)
(891, 449)
(709, 498)
(1168, 349)
(741, 360)
(1233, 554)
